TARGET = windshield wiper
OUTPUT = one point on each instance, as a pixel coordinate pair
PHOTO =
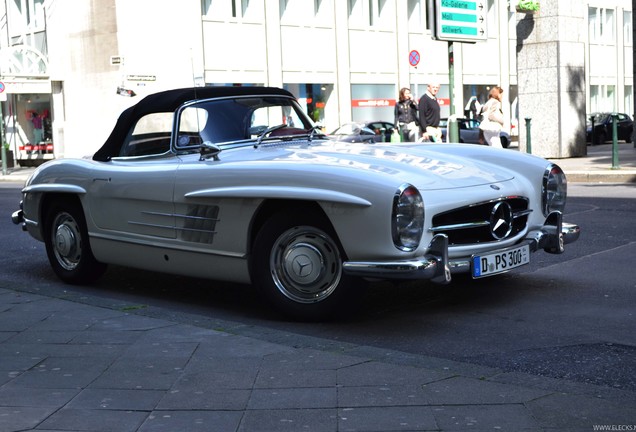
(267, 131)
(313, 132)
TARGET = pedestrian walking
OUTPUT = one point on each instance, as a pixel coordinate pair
(429, 114)
(406, 116)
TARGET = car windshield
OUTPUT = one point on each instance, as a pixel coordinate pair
(241, 119)
(598, 118)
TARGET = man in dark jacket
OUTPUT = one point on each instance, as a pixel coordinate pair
(430, 114)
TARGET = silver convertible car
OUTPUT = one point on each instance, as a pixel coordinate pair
(237, 184)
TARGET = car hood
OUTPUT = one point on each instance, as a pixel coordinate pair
(433, 166)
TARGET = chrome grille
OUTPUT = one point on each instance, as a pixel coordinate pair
(483, 222)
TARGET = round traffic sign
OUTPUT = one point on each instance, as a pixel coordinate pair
(2, 87)
(414, 58)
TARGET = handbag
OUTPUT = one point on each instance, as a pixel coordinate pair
(488, 114)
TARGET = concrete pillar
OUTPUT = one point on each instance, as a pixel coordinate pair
(551, 78)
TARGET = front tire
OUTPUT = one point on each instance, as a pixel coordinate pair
(67, 244)
(297, 267)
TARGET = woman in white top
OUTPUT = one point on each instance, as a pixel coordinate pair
(492, 118)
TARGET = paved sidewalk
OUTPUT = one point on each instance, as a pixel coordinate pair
(73, 364)
(595, 167)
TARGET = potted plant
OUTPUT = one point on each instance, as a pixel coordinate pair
(527, 6)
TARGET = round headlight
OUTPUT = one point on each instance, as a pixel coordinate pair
(407, 222)
(555, 189)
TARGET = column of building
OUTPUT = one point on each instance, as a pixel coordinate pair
(551, 79)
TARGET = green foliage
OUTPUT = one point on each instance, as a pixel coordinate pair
(528, 5)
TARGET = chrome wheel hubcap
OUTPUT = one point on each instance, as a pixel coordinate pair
(305, 265)
(67, 241)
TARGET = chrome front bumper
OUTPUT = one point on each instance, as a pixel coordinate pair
(437, 267)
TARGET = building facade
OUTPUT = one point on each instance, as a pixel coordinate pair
(75, 65)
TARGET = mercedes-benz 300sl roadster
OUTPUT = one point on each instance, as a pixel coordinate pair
(238, 184)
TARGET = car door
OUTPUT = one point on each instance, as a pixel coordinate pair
(132, 194)
(624, 127)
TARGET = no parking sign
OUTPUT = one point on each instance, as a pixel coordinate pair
(414, 58)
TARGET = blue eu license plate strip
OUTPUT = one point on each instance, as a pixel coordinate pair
(500, 261)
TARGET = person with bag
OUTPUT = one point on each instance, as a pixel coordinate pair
(406, 116)
(492, 118)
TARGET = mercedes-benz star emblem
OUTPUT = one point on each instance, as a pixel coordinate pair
(302, 265)
(501, 220)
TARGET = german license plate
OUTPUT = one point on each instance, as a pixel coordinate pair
(500, 261)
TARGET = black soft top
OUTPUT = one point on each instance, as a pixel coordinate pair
(169, 101)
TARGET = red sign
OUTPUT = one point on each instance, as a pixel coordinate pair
(414, 58)
(372, 103)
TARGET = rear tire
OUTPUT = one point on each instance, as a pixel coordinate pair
(67, 244)
(297, 267)
(600, 138)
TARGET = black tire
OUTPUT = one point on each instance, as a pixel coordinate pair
(313, 289)
(67, 244)
(504, 142)
(600, 137)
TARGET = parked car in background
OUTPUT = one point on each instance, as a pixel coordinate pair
(469, 131)
(603, 127)
(238, 184)
(371, 131)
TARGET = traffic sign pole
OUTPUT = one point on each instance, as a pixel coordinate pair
(453, 131)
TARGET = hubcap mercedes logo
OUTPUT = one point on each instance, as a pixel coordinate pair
(501, 220)
(302, 266)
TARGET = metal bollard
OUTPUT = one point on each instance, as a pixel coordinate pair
(4, 158)
(528, 138)
(452, 133)
(615, 141)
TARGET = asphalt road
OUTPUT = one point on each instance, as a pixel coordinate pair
(570, 316)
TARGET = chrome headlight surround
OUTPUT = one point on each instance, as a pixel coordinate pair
(407, 218)
(554, 190)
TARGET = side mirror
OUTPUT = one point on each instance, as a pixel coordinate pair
(209, 150)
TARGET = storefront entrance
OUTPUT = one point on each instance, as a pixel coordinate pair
(28, 128)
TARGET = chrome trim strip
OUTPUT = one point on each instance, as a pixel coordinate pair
(274, 191)
(195, 230)
(171, 227)
(152, 225)
(179, 215)
(454, 227)
(521, 213)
